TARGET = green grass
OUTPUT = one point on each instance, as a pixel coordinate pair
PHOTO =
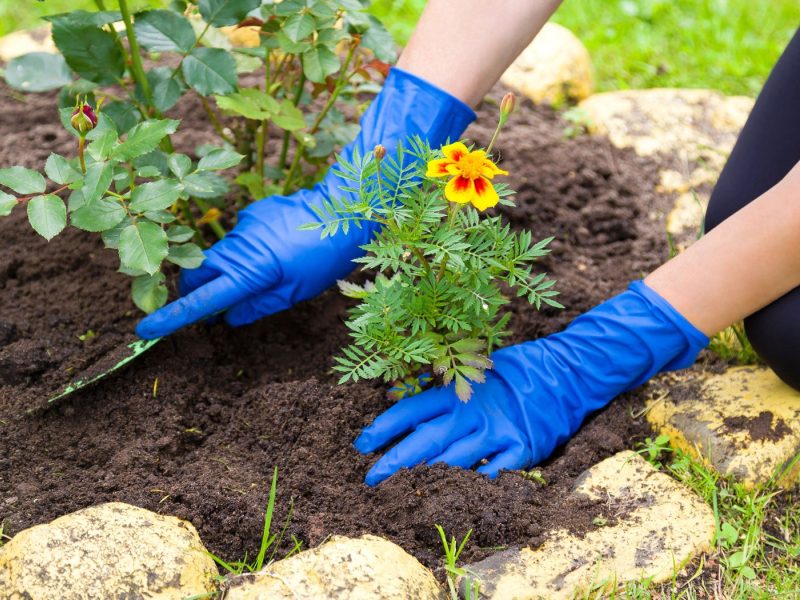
(729, 45)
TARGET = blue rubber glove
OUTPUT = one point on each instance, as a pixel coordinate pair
(538, 393)
(265, 265)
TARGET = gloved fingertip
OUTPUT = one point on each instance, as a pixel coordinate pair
(489, 471)
(151, 327)
(375, 476)
(365, 442)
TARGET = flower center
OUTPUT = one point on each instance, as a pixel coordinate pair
(470, 166)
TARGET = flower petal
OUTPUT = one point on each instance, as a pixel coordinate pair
(485, 194)
(489, 169)
(460, 190)
(455, 151)
(438, 167)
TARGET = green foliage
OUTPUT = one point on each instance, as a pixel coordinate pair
(270, 542)
(731, 344)
(442, 273)
(452, 551)
(148, 202)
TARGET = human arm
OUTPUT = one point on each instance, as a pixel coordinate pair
(265, 265)
(539, 392)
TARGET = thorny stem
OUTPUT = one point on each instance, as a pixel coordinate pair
(264, 133)
(136, 60)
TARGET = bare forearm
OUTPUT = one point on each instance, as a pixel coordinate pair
(743, 264)
(463, 46)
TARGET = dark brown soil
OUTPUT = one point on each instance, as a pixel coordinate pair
(233, 404)
(759, 428)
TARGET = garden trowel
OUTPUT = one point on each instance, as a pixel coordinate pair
(108, 364)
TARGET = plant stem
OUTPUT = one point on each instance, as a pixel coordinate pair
(212, 116)
(500, 124)
(81, 147)
(264, 133)
(336, 90)
(136, 60)
(301, 81)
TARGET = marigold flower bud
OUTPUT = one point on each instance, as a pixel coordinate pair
(83, 118)
(380, 152)
(508, 104)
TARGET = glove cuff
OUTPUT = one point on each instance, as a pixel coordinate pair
(696, 340)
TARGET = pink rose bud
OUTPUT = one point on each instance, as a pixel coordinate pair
(83, 118)
(380, 152)
(508, 104)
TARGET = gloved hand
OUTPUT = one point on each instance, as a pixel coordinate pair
(265, 265)
(538, 393)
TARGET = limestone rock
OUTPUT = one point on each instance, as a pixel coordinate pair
(344, 568)
(111, 550)
(696, 128)
(743, 422)
(21, 42)
(553, 68)
(659, 525)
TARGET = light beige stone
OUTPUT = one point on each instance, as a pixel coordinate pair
(743, 422)
(111, 550)
(553, 68)
(364, 568)
(696, 128)
(22, 42)
(659, 526)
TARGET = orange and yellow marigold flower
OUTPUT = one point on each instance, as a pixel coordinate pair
(472, 174)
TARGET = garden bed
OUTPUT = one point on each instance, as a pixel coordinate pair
(231, 404)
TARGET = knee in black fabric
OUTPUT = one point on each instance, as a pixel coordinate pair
(774, 332)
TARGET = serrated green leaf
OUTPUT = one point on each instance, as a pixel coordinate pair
(179, 234)
(251, 103)
(143, 245)
(47, 215)
(252, 182)
(166, 90)
(7, 204)
(85, 18)
(164, 31)
(155, 195)
(91, 52)
(210, 71)
(37, 72)
(102, 145)
(58, 169)
(179, 164)
(96, 181)
(299, 26)
(204, 184)
(290, 117)
(149, 292)
(290, 47)
(319, 62)
(22, 180)
(100, 215)
(123, 114)
(111, 236)
(144, 137)
(226, 12)
(186, 256)
(219, 159)
(379, 40)
(160, 216)
(148, 172)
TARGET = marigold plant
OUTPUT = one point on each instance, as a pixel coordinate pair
(443, 268)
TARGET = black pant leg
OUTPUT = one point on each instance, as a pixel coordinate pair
(766, 150)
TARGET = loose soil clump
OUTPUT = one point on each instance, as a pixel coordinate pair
(231, 404)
